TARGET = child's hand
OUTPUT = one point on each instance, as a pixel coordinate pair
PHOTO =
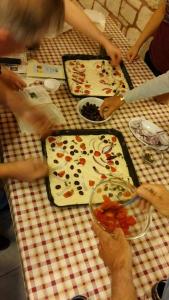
(132, 53)
(109, 105)
(27, 170)
(157, 195)
(12, 80)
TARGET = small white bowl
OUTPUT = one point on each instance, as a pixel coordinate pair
(91, 100)
(52, 84)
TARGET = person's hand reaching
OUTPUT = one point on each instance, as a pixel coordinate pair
(157, 195)
(12, 80)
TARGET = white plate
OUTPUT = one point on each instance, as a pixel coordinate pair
(149, 133)
(91, 100)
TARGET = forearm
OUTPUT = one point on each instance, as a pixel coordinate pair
(12, 99)
(152, 25)
(154, 87)
(76, 17)
(5, 170)
(122, 286)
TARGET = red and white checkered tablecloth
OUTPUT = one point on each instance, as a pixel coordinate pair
(57, 246)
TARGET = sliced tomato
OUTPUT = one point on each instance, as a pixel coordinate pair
(103, 176)
(78, 138)
(83, 146)
(82, 161)
(91, 182)
(59, 144)
(87, 92)
(61, 173)
(114, 139)
(68, 158)
(113, 169)
(51, 139)
(59, 154)
(97, 153)
(68, 194)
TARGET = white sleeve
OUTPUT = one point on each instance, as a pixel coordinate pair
(154, 87)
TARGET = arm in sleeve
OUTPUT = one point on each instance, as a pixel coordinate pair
(154, 87)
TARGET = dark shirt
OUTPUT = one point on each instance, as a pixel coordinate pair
(159, 48)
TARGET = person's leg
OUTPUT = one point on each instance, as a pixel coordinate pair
(11, 280)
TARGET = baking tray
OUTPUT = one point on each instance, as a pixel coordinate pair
(68, 57)
(81, 132)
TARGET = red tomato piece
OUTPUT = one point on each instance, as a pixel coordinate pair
(113, 169)
(82, 161)
(87, 92)
(108, 91)
(91, 182)
(126, 194)
(59, 144)
(61, 173)
(112, 215)
(68, 158)
(97, 153)
(59, 154)
(68, 194)
(78, 138)
(103, 176)
(131, 220)
(51, 139)
(83, 146)
(114, 139)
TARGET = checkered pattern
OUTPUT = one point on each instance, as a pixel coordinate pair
(57, 246)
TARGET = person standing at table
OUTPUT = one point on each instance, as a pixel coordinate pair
(116, 253)
(151, 88)
(22, 23)
(157, 57)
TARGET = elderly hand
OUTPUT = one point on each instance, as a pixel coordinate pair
(114, 250)
(12, 80)
(26, 170)
(109, 105)
(116, 254)
(113, 52)
(132, 53)
(157, 195)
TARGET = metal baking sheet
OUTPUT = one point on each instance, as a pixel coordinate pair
(68, 57)
(82, 132)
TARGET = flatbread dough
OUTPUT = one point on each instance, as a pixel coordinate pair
(78, 163)
(95, 78)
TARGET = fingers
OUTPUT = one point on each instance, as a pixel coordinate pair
(146, 191)
(116, 58)
(105, 111)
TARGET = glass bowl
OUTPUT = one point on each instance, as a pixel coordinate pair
(112, 204)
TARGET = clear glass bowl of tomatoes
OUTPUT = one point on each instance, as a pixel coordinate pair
(113, 204)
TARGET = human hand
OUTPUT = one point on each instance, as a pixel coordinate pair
(114, 250)
(109, 105)
(12, 80)
(39, 120)
(113, 52)
(27, 170)
(132, 53)
(157, 195)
